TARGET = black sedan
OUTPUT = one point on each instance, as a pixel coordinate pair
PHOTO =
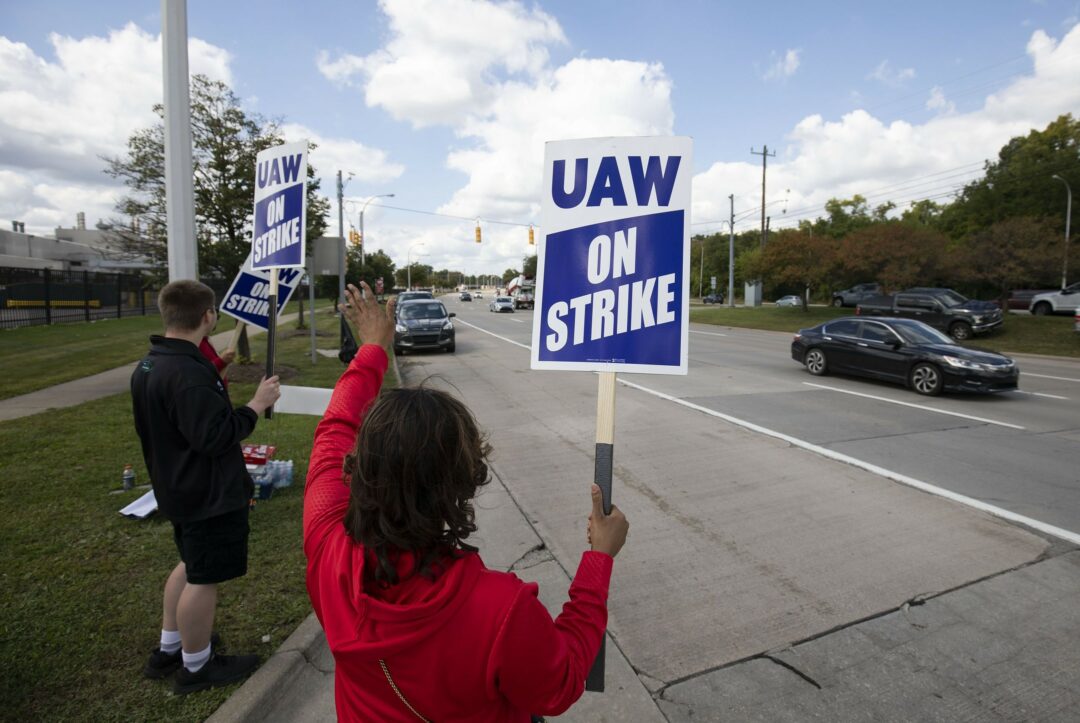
(904, 351)
(423, 324)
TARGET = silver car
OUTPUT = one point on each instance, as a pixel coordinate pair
(501, 303)
(789, 301)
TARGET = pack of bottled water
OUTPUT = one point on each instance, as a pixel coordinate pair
(279, 474)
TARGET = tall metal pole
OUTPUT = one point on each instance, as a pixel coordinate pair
(179, 194)
(731, 256)
(341, 235)
(363, 240)
(1068, 219)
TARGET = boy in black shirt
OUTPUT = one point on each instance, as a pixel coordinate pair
(190, 436)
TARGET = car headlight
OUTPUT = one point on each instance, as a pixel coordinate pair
(963, 363)
(448, 326)
(400, 328)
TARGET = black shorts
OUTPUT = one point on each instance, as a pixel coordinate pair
(215, 549)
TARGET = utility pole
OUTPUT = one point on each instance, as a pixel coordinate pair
(731, 256)
(764, 153)
(341, 234)
(183, 254)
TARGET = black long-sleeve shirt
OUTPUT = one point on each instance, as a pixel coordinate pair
(190, 433)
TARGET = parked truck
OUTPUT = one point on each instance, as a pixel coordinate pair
(943, 309)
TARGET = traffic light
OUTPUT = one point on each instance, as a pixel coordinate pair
(354, 237)
(477, 230)
(532, 241)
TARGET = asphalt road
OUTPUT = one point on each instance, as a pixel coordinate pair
(1016, 451)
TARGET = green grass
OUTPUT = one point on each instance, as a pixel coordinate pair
(37, 357)
(1020, 334)
(81, 585)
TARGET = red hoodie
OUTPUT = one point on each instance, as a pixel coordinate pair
(472, 645)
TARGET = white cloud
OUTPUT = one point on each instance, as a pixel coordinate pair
(892, 77)
(938, 102)
(438, 65)
(60, 117)
(784, 66)
(503, 99)
(366, 164)
(860, 153)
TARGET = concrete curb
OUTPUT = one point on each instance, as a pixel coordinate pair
(261, 694)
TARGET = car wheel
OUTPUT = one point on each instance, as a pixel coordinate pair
(960, 330)
(452, 347)
(398, 351)
(816, 363)
(838, 302)
(1041, 309)
(926, 379)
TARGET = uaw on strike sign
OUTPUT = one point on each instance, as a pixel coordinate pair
(614, 259)
(248, 299)
(280, 211)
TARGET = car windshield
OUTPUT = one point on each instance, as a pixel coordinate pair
(916, 332)
(406, 295)
(433, 310)
(951, 298)
(504, 300)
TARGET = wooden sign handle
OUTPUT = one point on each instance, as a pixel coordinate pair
(271, 331)
(602, 475)
(240, 326)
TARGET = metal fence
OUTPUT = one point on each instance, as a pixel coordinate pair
(32, 297)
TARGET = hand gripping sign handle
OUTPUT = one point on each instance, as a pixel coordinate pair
(271, 331)
(605, 449)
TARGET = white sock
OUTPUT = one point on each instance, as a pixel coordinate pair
(170, 641)
(195, 661)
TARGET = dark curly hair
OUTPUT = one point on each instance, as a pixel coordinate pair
(418, 463)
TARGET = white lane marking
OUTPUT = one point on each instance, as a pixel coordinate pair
(915, 406)
(503, 338)
(1047, 376)
(707, 333)
(873, 468)
(1040, 394)
(845, 459)
(519, 321)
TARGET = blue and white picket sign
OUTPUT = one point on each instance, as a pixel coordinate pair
(247, 300)
(612, 291)
(278, 234)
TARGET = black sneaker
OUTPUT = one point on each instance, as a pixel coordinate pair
(219, 670)
(162, 665)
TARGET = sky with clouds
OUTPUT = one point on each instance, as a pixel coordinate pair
(447, 103)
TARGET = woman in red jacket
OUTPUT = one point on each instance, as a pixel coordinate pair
(420, 629)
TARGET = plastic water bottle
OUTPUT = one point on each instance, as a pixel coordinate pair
(129, 478)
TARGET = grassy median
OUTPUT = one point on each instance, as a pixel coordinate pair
(81, 590)
(1020, 334)
(37, 357)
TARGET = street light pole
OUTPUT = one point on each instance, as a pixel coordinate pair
(363, 241)
(1068, 218)
(731, 256)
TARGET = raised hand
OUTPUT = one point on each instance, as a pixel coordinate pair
(373, 323)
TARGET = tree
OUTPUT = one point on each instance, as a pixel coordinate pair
(895, 254)
(225, 142)
(793, 259)
(1019, 183)
(528, 266)
(1014, 253)
(510, 274)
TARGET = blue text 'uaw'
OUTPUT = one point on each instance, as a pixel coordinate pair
(278, 170)
(608, 181)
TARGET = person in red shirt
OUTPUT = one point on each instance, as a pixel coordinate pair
(222, 362)
(420, 629)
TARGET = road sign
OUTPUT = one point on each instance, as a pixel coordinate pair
(247, 299)
(612, 289)
(713, 281)
(279, 230)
